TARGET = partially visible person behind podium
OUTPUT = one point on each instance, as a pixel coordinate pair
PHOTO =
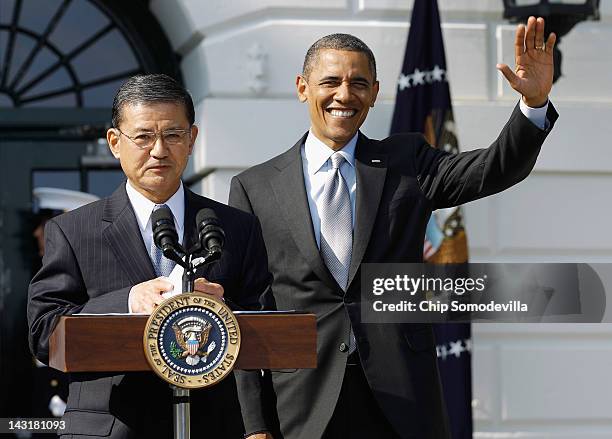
(100, 259)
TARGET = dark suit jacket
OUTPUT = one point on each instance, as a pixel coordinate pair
(400, 181)
(93, 256)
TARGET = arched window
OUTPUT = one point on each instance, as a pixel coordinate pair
(61, 62)
(75, 53)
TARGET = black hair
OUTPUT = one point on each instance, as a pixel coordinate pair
(337, 42)
(153, 88)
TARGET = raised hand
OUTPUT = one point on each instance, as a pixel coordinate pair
(533, 73)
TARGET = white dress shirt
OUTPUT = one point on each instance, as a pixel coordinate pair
(143, 207)
(537, 116)
(316, 164)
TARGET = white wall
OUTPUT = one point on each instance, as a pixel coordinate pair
(240, 58)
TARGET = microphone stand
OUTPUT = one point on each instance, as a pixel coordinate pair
(181, 405)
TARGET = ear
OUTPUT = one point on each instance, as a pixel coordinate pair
(375, 89)
(112, 138)
(194, 135)
(302, 88)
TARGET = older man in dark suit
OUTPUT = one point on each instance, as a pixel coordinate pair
(337, 199)
(101, 259)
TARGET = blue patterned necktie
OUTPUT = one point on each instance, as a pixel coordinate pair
(162, 265)
(337, 228)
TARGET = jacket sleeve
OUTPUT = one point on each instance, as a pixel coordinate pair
(58, 289)
(452, 179)
(253, 385)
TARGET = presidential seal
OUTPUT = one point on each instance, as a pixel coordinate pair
(192, 340)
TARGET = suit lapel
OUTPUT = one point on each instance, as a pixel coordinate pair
(290, 191)
(124, 237)
(371, 171)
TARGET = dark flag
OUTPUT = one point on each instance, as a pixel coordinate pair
(423, 105)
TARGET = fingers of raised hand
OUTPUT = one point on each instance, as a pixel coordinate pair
(534, 37)
(550, 43)
(508, 74)
(519, 40)
(530, 34)
(539, 33)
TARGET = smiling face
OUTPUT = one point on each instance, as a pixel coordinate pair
(155, 171)
(339, 90)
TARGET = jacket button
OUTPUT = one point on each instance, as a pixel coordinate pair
(343, 347)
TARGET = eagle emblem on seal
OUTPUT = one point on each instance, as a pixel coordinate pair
(191, 335)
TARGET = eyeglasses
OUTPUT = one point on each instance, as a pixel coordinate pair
(169, 137)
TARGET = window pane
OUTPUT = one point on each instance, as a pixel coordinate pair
(81, 21)
(43, 59)
(102, 95)
(6, 12)
(104, 182)
(57, 179)
(36, 15)
(108, 56)
(65, 100)
(56, 81)
(23, 46)
(5, 101)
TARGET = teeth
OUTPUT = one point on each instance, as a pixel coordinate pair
(340, 113)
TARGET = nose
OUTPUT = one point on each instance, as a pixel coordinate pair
(343, 92)
(159, 149)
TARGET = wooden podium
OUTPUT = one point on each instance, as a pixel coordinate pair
(113, 343)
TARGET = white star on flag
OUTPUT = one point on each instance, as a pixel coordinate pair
(417, 77)
(441, 351)
(456, 348)
(403, 81)
(468, 344)
(437, 73)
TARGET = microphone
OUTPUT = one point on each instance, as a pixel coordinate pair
(210, 232)
(164, 233)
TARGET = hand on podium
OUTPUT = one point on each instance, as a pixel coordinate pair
(145, 296)
(202, 285)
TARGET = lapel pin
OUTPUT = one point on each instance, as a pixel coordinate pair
(375, 161)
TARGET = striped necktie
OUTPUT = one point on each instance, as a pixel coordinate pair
(337, 228)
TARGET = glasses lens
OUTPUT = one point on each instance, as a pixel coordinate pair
(170, 137)
(174, 137)
(144, 140)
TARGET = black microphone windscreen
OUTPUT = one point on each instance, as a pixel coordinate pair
(163, 213)
(206, 215)
(210, 232)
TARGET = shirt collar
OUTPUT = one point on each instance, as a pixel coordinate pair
(143, 207)
(317, 153)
